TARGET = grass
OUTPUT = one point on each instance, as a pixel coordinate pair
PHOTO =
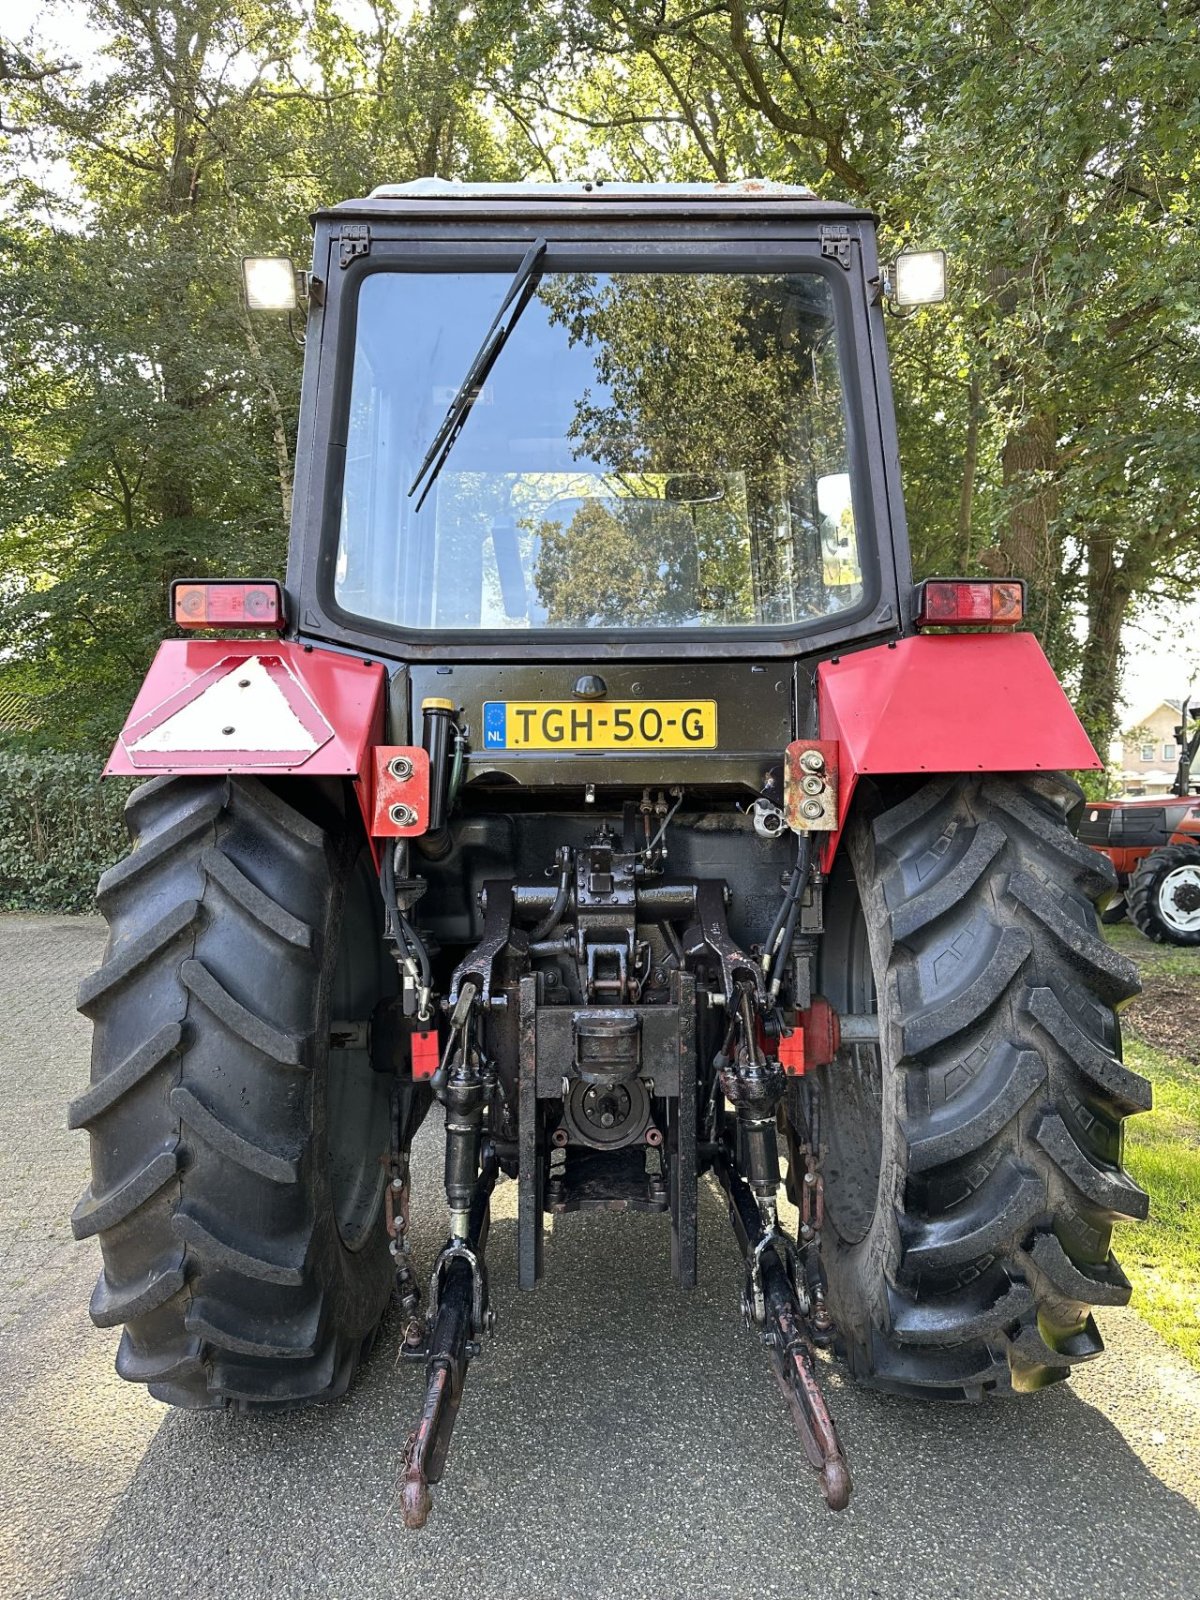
(1162, 1146)
(1173, 961)
(1162, 1150)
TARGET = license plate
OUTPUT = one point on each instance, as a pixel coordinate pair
(602, 725)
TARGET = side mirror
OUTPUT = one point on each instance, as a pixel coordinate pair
(270, 283)
(916, 278)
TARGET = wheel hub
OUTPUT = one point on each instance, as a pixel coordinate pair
(357, 1096)
(1179, 899)
(852, 1092)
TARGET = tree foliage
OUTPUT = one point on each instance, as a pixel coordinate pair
(720, 392)
(148, 423)
(1047, 413)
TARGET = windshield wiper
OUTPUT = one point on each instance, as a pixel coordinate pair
(518, 295)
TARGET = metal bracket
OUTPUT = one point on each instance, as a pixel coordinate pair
(401, 793)
(709, 934)
(480, 1314)
(835, 244)
(810, 785)
(772, 1238)
(356, 241)
(498, 934)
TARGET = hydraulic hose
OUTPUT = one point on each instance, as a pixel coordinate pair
(417, 945)
(458, 761)
(555, 914)
(789, 894)
(396, 925)
(790, 912)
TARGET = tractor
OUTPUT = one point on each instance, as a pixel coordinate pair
(599, 776)
(1154, 846)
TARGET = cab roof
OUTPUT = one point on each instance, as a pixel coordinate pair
(441, 196)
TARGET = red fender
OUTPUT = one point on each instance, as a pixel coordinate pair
(266, 707)
(215, 706)
(969, 702)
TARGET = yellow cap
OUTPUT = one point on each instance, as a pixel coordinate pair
(437, 705)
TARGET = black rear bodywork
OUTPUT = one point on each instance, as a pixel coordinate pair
(762, 678)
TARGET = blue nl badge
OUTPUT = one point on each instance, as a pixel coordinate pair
(495, 725)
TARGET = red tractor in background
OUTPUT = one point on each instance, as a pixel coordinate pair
(1154, 846)
(600, 776)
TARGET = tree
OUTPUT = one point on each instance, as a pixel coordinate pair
(1045, 414)
(148, 426)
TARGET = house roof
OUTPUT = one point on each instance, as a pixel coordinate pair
(1175, 707)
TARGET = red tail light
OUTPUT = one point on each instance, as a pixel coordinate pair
(970, 603)
(217, 603)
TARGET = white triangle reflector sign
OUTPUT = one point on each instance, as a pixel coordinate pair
(245, 711)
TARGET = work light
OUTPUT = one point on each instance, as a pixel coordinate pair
(918, 278)
(270, 283)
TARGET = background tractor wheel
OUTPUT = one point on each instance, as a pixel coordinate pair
(1164, 895)
(237, 1153)
(973, 1173)
(1114, 912)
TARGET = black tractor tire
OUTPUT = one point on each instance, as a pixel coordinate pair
(973, 1171)
(238, 1154)
(1164, 895)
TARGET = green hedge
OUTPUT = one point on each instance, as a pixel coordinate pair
(60, 827)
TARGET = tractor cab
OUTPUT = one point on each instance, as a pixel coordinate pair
(644, 417)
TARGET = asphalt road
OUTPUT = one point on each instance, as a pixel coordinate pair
(618, 1439)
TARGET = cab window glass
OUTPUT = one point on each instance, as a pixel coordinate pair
(649, 451)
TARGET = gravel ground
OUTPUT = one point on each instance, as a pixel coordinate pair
(619, 1438)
